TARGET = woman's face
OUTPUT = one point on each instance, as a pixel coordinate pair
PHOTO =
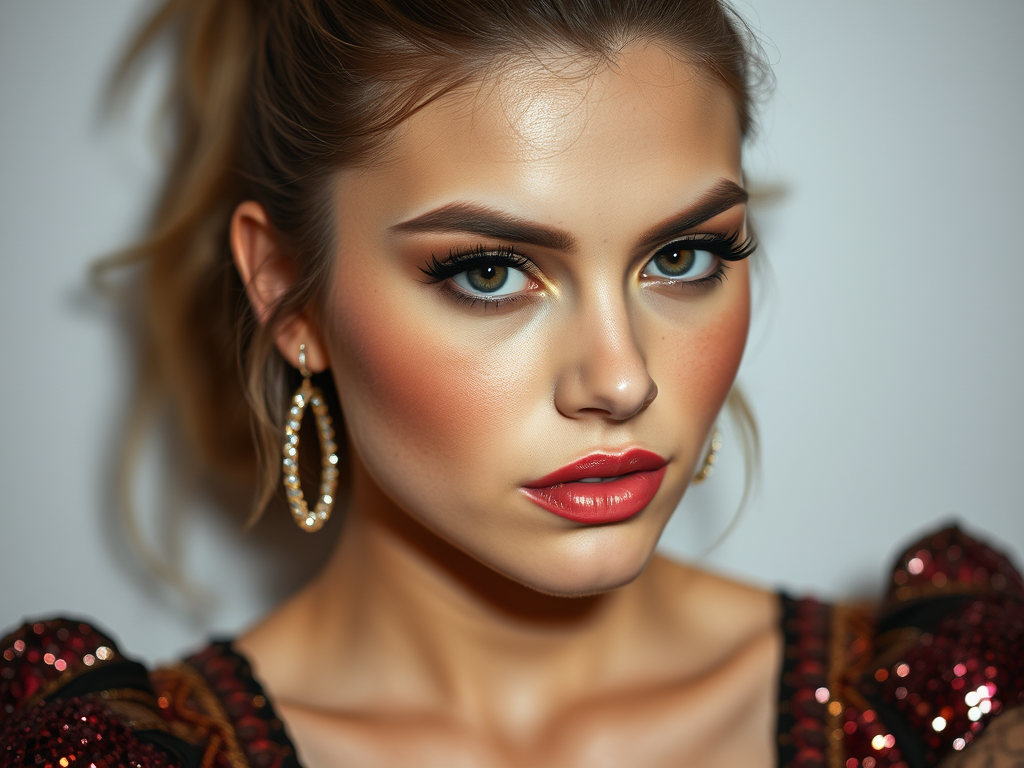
(531, 279)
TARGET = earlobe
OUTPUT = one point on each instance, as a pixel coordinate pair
(267, 275)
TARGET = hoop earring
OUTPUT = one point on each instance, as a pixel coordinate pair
(305, 395)
(710, 459)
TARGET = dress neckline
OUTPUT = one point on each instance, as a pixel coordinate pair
(258, 729)
(805, 626)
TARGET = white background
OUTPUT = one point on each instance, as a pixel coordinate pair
(885, 365)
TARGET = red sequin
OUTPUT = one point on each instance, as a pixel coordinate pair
(947, 661)
(78, 732)
(948, 683)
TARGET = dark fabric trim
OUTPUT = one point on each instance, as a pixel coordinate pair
(243, 674)
(786, 720)
(924, 614)
(109, 677)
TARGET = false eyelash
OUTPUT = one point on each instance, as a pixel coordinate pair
(725, 247)
(479, 256)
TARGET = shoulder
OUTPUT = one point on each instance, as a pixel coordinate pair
(918, 678)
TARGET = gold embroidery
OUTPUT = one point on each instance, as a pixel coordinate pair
(836, 666)
(948, 589)
(190, 700)
(850, 653)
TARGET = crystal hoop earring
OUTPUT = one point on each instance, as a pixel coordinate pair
(305, 395)
(710, 459)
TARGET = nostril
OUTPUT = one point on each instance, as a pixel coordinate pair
(605, 377)
(653, 393)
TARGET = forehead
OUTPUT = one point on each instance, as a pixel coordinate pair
(538, 134)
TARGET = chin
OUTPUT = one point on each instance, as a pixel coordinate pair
(592, 561)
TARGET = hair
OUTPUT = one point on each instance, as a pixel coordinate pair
(268, 100)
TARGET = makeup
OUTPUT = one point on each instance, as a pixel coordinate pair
(490, 317)
(600, 488)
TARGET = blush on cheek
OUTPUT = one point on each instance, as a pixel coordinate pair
(409, 388)
(395, 378)
(703, 366)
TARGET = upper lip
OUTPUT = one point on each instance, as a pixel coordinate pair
(602, 465)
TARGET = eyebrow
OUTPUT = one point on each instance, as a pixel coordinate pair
(719, 199)
(479, 220)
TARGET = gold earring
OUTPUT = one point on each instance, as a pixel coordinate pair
(305, 395)
(710, 459)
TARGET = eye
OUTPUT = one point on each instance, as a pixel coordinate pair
(678, 263)
(491, 280)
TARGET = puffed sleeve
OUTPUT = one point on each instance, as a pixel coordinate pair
(948, 655)
(68, 696)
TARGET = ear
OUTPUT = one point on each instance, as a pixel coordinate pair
(267, 275)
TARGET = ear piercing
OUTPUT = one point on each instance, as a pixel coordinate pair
(308, 395)
(710, 459)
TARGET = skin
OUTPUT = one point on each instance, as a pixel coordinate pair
(458, 623)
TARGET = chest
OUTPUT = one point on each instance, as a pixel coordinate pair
(704, 729)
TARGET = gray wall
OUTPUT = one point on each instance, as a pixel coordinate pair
(884, 366)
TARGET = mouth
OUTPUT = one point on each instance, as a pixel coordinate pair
(600, 488)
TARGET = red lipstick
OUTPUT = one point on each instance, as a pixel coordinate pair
(600, 488)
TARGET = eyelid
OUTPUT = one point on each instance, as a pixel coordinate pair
(459, 261)
(471, 300)
(727, 247)
(442, 272)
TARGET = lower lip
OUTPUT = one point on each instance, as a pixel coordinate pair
(595, 503)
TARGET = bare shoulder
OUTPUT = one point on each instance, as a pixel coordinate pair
(1000, 746)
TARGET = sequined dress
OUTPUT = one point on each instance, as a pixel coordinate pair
(902, 684)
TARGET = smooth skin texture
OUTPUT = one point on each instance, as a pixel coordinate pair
(458, 623)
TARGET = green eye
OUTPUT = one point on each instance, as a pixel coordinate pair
(491, 280)
(487, 279)
(676, 262)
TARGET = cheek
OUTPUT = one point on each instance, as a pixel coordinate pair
(699, 366)
(423, 398)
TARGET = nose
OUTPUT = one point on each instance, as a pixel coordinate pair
(605, 373)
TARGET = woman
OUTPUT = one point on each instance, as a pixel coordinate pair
(506, 247)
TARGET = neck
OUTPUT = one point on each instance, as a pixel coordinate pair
(410, 563)
(403, 618)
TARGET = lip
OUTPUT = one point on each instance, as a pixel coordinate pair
(636, 477)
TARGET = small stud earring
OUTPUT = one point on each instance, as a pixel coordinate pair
(309, 395)
(710, 459)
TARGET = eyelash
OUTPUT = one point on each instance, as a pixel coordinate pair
(480, 256)
(728, 248)
(725, 247)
